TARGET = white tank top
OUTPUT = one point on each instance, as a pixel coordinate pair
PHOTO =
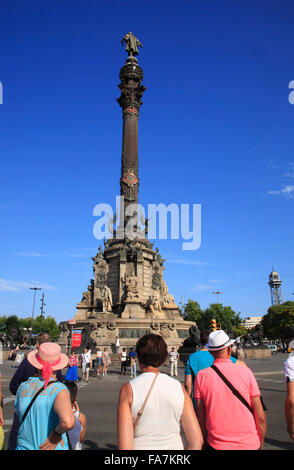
(124, 356)
(75, 432)
(159, 426)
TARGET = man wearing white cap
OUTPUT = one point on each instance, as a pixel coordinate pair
(228, 401)
(289, 377)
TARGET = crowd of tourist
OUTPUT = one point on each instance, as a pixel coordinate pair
(219, 407)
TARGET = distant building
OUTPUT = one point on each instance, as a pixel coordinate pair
(251, 322)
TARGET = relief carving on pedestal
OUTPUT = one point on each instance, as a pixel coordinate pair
(168, 299)
(111, 325)
(155, 304)
(165, 331)
(102, 293)
(101, 331)
(106, 299)
(132, 286)
(155, 325)
(101, 269)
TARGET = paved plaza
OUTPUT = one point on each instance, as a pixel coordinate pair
(98, 400)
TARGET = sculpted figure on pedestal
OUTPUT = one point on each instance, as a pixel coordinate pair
(106, 299)
(155, 306)
(101, 269)
(168, 299)
(132, 287)
(132, 44)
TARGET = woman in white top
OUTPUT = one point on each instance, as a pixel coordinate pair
(167, 408)
(77, 433)
(123, 361)
(99, 361)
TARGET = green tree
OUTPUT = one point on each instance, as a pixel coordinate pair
(193, 312)
(278, 318)
(225, 316)
(46, 325)
(12, 322)
(3, 323)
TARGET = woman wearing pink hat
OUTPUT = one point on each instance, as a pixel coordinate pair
(43, 404)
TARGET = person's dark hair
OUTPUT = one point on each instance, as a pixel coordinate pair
(151, 350)
(43, 338)
(204, 337)
(73, 390)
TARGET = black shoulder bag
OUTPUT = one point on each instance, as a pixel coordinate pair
(34, 398)
(236, 393)
(234, 390)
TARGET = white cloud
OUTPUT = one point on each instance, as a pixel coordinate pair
(72, 253)
(17, 286)
(202, 287)
(209, 286)
(28, 253)
(287, 191)
(185, 261)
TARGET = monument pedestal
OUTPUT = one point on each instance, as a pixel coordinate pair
(133, 310)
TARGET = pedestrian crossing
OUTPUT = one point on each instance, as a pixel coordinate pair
(271, 380)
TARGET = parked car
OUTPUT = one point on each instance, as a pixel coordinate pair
(273, 348)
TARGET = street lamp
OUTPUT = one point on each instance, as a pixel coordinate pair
(218, 294)
(42, 311)
(34, 289)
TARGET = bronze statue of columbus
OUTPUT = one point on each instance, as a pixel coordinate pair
(132, 44)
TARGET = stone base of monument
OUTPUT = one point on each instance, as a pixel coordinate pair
(103, 330)
(134, 309)
(127, 298)
(257, 352)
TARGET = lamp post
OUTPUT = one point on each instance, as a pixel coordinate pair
(35, 290)
(182, 306)
(218, 294)
(42, 310)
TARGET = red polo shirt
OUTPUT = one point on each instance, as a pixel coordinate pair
(229, 424)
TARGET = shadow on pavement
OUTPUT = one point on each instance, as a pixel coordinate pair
(279, 444)
(94, 446)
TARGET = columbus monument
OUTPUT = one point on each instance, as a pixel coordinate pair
(128, 296)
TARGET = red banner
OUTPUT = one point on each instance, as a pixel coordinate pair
(76, 340)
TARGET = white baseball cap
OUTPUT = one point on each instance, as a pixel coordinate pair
(218, 340)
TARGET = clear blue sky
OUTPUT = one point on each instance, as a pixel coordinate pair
(216, 128)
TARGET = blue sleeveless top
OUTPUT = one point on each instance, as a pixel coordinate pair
(41, 419)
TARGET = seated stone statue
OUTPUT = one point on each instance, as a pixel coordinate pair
(155, 305)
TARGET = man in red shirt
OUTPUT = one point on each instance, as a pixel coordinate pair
(230, 411)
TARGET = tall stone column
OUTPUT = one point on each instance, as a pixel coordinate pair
(132, 91)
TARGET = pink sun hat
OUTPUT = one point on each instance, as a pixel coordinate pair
(48, 358)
